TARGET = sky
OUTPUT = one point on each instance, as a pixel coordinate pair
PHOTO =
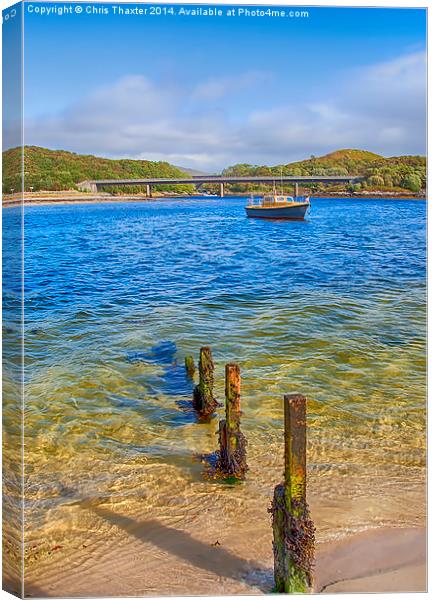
(207, 92)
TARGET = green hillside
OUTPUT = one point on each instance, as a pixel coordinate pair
(60, 170)
(388, 174)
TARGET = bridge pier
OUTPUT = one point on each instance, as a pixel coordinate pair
(296, 189)
(88, 186)
(222, 190)
(148, 190)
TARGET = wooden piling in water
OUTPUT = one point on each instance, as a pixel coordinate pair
(232, 443)
(189, 366)
(203, 398)
(233, 404)
(292, 527)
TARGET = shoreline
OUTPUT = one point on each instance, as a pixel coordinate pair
(69, 198)
(382, 560)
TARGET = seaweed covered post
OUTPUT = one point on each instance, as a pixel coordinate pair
(232, 452)
(189, 366)
(293, 529)
(233, 406)
(204, 401)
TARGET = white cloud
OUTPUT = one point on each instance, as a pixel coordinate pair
(216, 87)
(392, 90)
(380, 108)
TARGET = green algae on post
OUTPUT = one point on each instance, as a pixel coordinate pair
(189, 366)
(292, 527)
(203, 398)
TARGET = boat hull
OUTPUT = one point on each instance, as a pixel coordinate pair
(290, 213)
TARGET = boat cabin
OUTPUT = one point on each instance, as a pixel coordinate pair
(273, 199)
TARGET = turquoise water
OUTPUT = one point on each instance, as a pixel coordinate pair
(117, 294)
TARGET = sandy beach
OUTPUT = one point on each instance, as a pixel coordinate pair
(382, 560)
(221, 544)
(155, 560)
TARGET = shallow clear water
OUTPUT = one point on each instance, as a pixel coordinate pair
(117, 294)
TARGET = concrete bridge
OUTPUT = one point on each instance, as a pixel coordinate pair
(97, 184)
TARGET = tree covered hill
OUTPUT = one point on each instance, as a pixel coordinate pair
(380, 173)
(60, 170)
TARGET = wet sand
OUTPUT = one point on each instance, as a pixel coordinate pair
(152, 559)
(84, 199)
(382, 560)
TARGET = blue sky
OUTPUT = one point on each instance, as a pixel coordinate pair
(207, 92)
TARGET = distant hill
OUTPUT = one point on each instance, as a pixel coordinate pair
(60, 170)
(348, 154)
(380, 173)
(192, 172)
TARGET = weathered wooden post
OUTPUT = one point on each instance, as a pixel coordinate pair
(232, 442)
(203, 398)
(293, 529)
(189, 366)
